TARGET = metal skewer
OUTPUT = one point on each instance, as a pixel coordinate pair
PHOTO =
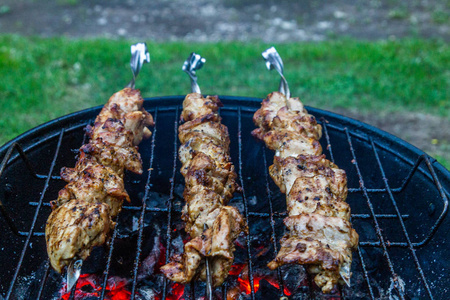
(274, 61)
(139, 56)
(209, 290)
(193, 63)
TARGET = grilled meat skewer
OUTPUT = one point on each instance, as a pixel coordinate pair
(210, 181)
(83, 214)
(320, 235)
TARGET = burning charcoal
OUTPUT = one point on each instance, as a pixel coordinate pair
(122, 260)
(96, 262)
(238, 202)
(235, 293)
(261, 242)
(177, 244)
(28, 286)
(89, 286)
(156, 199)
(146, 293)
(268, 290)
(294, 277)
(148, 264)
(176, 291)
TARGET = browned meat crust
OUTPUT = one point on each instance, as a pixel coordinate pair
(210, 183)
(320, 234)
(82, 216)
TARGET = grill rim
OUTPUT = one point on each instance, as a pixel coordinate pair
(359, 129)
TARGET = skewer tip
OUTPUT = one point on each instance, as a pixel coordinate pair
(73, 273)
(345, 275)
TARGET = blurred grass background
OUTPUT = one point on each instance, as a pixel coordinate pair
(65, 75)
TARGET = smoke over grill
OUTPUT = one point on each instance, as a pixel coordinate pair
(397, 193)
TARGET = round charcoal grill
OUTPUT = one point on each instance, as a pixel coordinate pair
(398, 195)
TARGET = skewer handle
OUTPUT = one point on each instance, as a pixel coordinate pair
(139, 56)
(193, 63)
(274, 61)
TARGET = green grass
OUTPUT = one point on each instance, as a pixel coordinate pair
(41, 79)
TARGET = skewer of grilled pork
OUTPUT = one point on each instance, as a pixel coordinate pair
(320, 234)
(210, 181)
(83, 214)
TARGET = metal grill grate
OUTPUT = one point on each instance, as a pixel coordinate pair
(349, 144)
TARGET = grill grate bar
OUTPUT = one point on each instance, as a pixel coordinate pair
(144, 205)
(241, 178)
(83, 142)
(354, 216)
(33, 224)
(42, 141)
(250, 213)
(377, 226)
(363, 265)
(272, 221)
(108, 262)
(43, 280)
(171, 198)
(5, 161)
(366, 274)
(441, 191)
(414, 164)
(402, 224)
(350, 190)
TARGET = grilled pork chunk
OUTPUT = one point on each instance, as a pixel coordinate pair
(320, 235)
(210, 181)
(82, 216)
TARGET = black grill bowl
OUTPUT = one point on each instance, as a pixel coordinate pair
(397, 193)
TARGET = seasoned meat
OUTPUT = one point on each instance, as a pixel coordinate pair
(195, 106)
(210, 181)
(217, 243)
(323, 241)
(320, 235)
(74, 228)
(83, 214)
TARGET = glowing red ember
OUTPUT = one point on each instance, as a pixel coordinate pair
(89, 285)
(176, 292)
(241, 270)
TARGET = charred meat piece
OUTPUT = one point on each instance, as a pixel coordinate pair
(82, 215)
(320, 235)
(210, 181)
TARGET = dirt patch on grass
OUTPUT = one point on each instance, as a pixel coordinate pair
(427, 132)
(219, 20)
